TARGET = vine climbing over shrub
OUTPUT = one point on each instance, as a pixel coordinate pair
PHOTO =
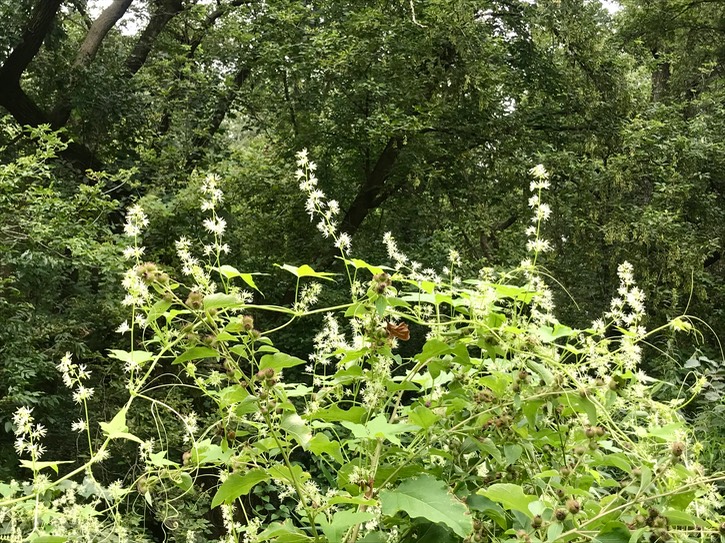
(507, 425)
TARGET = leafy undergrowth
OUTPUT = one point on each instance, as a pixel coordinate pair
(504, 424)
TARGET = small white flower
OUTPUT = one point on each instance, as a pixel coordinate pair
(123, 328)
(79, 426)
(216, 225)
(343, 242)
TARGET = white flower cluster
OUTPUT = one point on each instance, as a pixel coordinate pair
(213, 196)
(318, 204)
(136, 220)
(192, 267)
(417, 273)
(309, 295)
(327, 341)
(212, 193)
(542, 211)
(28, 434)
(627, 309)
(73, 376)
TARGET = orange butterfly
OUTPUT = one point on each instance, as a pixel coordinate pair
(398, 330)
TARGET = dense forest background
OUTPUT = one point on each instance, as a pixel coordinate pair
(423, 116)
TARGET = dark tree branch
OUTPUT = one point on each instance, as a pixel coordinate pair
(372, 191)
(14, 99)
(38, 27)
(220, 112)
(86, 53)
(714, 258)
(210, 20)
(81, 9)
(165, 11)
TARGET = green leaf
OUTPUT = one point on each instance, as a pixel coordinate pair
(159, 459)
(489, 508)
(423, 417)
(512, 453)
(307, 271)
(320, 444)
(238, 485)
(680, 518)
(428, 498)
(134, 357)
(157, 310)
(433, 348)
(117, 424)
(280, 471)
(37, 466)
(279, 361)
(196, 353)
(379, 428)
(230, 272)
(295, 426)
(355, 414)
(554, 531)
(284, 533)
(341, 521)
(613, 532)
(510, 496)
(361, 264)
(49, 539)
(220, 300)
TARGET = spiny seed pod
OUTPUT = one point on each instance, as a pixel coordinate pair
(659, 522)
(560, 514)
(600, 431)
(168, 296)
(260, 375)
(522, 534)
(231, 435)
(523, 375)
(247, 322)
(678, 449)
(560, 492)
(195, 300)
(636, 472)
(537, 522)
(573, 506)
(639, 520)
(147, 272)
(590, 432)
(380, 282)
(579, 450)
(186, 458)
(255, 334)
(583, 393)
(269, 373)
(565, 471)
(653, 513)
(613, 384)
(593, 445)
(662, 534)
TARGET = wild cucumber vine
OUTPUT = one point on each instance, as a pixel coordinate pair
(506, 425)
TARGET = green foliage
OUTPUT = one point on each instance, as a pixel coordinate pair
(502, 424)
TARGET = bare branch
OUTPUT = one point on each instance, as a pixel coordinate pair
(97, 33)
(165, 11)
